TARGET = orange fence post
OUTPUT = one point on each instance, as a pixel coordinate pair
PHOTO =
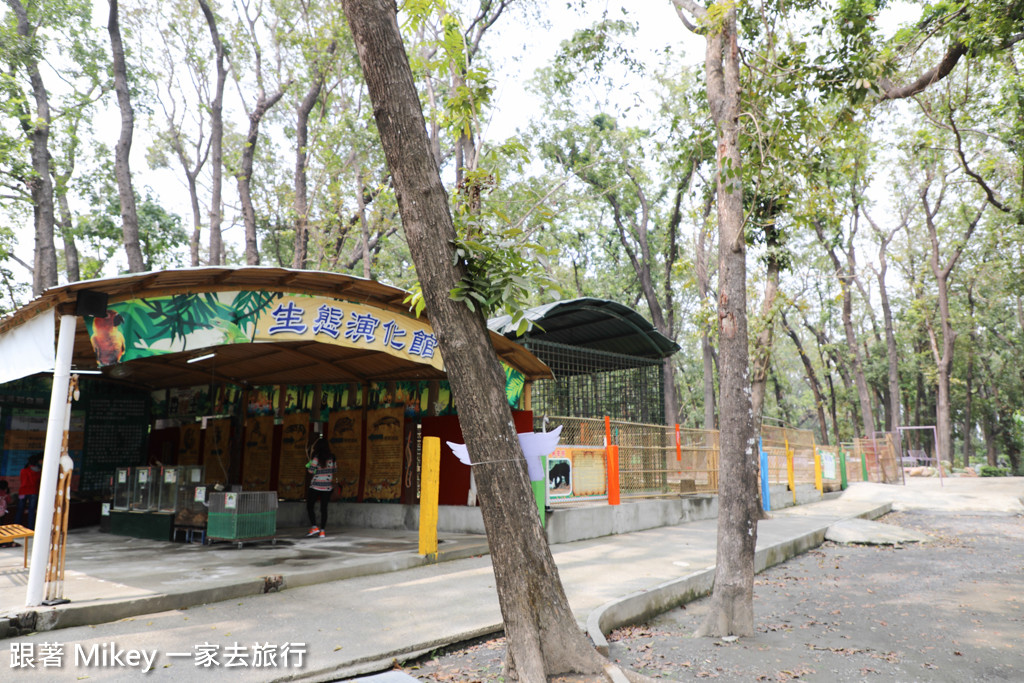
(679, 446)
(607, 431)
(613, 475)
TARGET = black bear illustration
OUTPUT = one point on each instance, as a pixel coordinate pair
(558, 475)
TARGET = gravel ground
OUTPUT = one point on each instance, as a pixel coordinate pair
(946, 610)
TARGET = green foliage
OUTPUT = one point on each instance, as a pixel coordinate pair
(161, 235)
(990, 471)
(504, 270)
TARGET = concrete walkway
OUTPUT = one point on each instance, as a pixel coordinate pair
(359, 599)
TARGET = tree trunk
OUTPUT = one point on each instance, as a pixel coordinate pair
(363, 225)
(812, 379)
(197, 217)
(826, 357)
(845, 275)
(763, 342)
(122, 169)
(66, 222)
(969, 383)
(263, 105)
(732, 602)
(891, 349)
(943, 351)
(37, 127)
(216, 139)
(702, 259)
(302, 112)
(988, 434)
(542, 633)
(670, 392)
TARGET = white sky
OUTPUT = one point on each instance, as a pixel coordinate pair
(518, 49)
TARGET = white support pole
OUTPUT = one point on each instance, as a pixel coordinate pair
(51, 461)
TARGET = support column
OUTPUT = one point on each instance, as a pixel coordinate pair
(51, 461)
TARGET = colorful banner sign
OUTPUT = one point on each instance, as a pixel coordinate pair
(141, 328)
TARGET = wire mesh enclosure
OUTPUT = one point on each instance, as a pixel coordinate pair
(650, 465)
(880, 457)
(591, 383)
(248, 515)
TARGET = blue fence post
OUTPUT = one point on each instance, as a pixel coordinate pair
(766, 503)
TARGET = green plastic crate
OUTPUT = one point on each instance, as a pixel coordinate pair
(235, 527)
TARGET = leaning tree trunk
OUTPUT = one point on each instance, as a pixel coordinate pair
(812, 379)
(732, 602)
(122, 169)
(542, 633)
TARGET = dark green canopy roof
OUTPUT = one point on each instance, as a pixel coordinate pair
(596, 324)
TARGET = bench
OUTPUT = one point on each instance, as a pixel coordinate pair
(11, 532)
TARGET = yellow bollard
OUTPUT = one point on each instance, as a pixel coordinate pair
(429, 482)
(790, 475)
(818, 483)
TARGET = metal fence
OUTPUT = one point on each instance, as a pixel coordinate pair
(650, 464)
(854, 462)
(655, 460)
(879, 456)
(776, 448)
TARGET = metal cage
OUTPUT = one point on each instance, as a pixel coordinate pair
(242, 516)
(591, 383)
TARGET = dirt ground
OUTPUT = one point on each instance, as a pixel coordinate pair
(946, 610)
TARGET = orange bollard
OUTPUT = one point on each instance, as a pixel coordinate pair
(613, 475)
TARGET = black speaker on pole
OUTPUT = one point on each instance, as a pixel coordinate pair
(91, 303)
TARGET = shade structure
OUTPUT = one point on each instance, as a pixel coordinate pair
(245, 361)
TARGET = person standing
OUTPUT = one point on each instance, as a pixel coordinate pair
(6, 502)
(323, 469)
(28, 491)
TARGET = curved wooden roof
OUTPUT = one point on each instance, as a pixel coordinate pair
(295, 362)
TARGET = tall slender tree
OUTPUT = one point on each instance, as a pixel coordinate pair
(36, 126)
(732, 601)
(122, 151)
(216, 212)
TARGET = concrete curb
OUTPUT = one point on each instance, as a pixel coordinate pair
(376, 663)
(70, 615)
(642, 605)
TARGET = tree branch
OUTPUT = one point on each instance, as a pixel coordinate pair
(928, 78)
(989, 193)
(683, 6)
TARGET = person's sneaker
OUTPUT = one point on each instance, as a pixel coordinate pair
(313, 531)
(322, 534)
